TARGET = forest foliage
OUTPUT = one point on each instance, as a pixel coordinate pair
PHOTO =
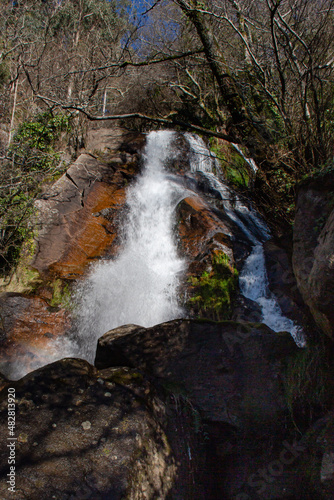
(257, 73)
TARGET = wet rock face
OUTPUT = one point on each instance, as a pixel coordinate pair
(30, 326)
(231, 371)
(313, 249)
(86, 434)
(282, 283)
(199, 228)
(207, 242)
(78, 216)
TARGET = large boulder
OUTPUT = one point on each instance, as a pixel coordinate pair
(234, 375)
(313, 248)
(232, 372)
(84, 434)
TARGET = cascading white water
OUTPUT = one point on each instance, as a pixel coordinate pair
(253, 279)
(141, 285)
(250, 161)
(201, 158)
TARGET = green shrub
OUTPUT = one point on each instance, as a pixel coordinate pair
(33, 145)
(31, 160)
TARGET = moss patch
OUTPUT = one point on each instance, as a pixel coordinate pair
(122, 376)
(61, 295)
(309, 384)
(212, 293)
(25, 279)
(235, 167)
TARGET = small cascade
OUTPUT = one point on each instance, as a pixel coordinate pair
(250, 161)
(254, 285)
(141, 285)
(253, 279)
(246, 219)
(201, 159)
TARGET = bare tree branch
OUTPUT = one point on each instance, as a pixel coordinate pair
(163, 121)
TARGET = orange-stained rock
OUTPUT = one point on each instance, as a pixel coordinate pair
(91, 234)
(201, 233)
(29, 329)
(79, 215)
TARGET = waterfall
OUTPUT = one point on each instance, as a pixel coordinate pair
(253, 279)
(141, 285)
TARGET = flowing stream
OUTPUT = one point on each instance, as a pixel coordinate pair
(253, 279)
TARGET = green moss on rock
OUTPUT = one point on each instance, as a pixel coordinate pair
(213, 292)
(308, 383)
(61, 294)
(25, 279)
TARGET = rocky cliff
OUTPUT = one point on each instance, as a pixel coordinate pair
(313, 247)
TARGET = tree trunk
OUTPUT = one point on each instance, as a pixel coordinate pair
(241, 125)
(11, 128)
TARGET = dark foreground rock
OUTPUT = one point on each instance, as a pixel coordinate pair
(231, 371)
(86, 434)
(235, 375)
(300, 468)
(197, 410)
(317, 461)
(313, 248)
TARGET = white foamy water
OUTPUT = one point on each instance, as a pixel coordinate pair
(253, 279)
(141, 285)
(253, 282)
(37, 356)
(201, 159)
(250, 161)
